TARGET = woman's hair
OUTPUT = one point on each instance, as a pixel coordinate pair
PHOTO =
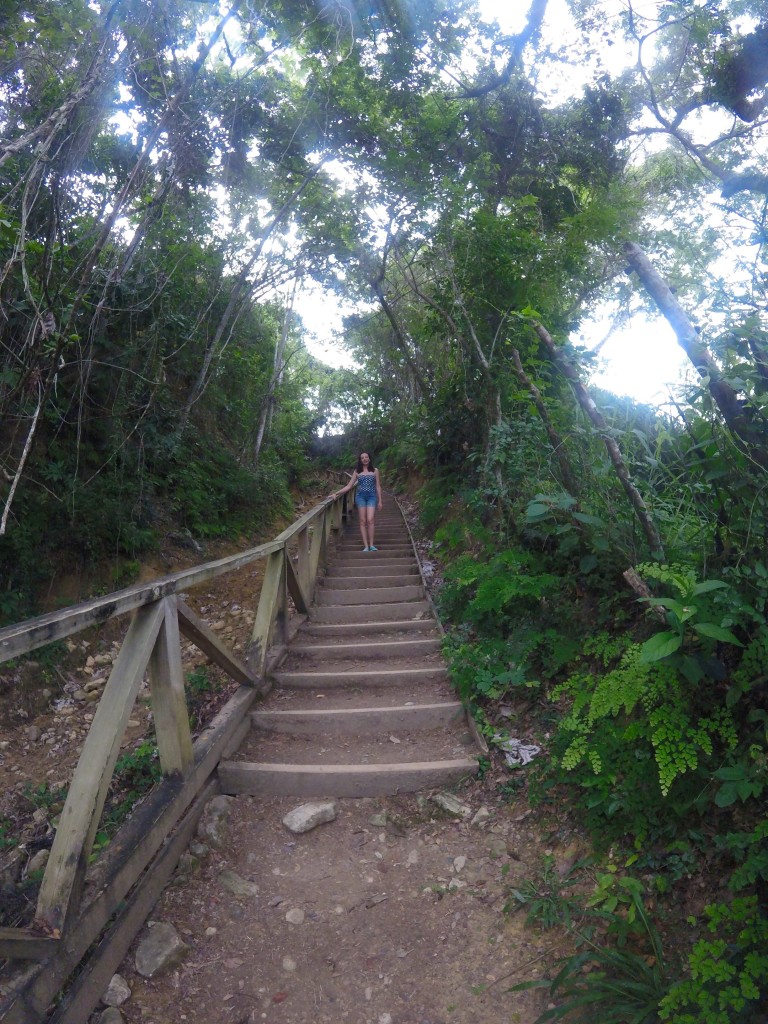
(359, 467)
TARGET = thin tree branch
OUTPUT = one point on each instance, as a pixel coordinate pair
(22, 463)
(587, 403)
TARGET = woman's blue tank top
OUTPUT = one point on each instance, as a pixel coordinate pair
(366, 484)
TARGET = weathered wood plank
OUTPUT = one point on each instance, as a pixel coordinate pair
(295, 587)
(126, 858)
(302, 566)
(317, 547)
(203, 637)
(169, 705)
(371, 613)
(86, 992)
(272, 610)
(93, 774)
(25, 944)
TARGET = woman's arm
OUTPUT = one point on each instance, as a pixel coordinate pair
(350, 485)
(378, 488)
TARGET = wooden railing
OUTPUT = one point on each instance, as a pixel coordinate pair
(142, 855)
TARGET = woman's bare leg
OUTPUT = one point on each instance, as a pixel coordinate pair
(371, 516)
(362, 515)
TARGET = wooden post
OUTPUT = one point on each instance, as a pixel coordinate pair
(272, 612)
(303, 563)
(295, 587)
(317, 546)
(169, 705)
(347, 506)
(79, 821)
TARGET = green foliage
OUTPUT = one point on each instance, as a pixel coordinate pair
(135, 774)
(199, 681)
(728, 973)
(683, 614)
(750, 852)
(7, 838)
(752, 670)
(201, 686)
(621, 984)
(213, 496)
(624, 798)
(614, 891)
(488, 592)
(546, 900)
(614, 986)
(744, 780)
(651, 703)
(482, 670)
(44, 798)
(509, 633)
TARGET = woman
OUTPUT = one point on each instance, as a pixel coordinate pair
(367, 498)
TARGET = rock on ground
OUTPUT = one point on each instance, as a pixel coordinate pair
(212, 826)
(117, 992)
(161, 949)
(308, 816)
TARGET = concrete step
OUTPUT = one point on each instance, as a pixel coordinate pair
(385, 536)
(341, 780)
(377, 595)
(361, 721)
(371, 612)
(386, 530)
(380, 567)
(383, 747)
(360, 677)
(340, 698)
(356, 554)
(375, 563)
(370, 650)
(325, 631)
(368, 581)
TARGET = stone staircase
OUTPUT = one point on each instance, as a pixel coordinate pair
(361, 704)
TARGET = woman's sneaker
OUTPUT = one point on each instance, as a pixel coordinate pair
(372, 548)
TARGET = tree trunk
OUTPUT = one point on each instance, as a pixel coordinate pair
(278, 368)
(587, 404)
(734, 412)
(400, 339)
(237, 296)
(558, 445)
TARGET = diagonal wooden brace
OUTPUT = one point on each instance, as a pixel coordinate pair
(65, 872)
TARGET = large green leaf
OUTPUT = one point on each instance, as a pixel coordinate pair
(716, 632)
(660, 646)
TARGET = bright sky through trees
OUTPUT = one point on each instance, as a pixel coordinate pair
(640, 359)
(643, 357)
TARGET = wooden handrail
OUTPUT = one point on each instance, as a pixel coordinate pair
(44, 629)
(152, 646)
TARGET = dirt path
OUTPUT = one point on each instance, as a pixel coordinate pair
(391, 914)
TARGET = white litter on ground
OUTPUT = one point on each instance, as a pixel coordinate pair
(516, 753)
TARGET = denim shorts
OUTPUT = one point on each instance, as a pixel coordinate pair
(365, 500)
